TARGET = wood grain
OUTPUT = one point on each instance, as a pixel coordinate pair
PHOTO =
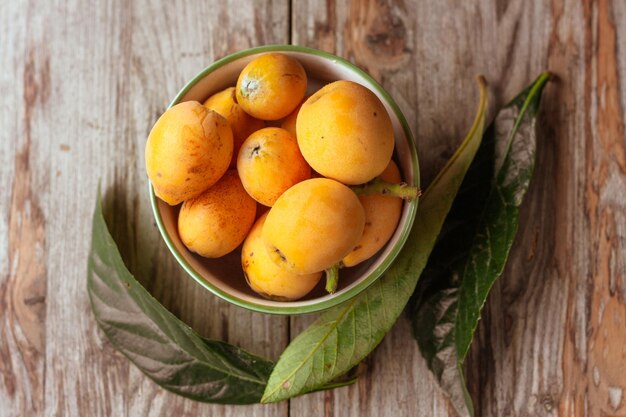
(533, 347)
(23, 247)
(552, 341)
(81, 85)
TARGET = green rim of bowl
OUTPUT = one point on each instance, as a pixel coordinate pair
(374, 275)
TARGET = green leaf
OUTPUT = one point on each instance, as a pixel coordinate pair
(161, 346)
(344, 335)
(474, 244)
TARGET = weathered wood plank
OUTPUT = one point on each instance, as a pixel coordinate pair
(548, 316)
(386, 39)
(552, 342)
(96, 76)
(23, 89)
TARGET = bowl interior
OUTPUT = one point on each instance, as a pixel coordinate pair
(224, 276)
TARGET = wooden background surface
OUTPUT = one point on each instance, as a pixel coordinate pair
(82, 82)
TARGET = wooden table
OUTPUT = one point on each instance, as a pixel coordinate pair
(82, 82)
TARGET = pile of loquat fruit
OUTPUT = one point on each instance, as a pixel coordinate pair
(322, 165)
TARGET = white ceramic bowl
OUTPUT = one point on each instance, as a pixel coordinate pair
(224, 276)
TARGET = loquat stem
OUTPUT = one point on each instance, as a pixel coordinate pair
(332, 278)
(378, 186)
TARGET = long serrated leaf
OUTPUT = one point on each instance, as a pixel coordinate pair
(344, 335)
(161, 346)
(474, 244)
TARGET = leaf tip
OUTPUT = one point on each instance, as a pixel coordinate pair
(544, 78)
(273, 394)
(268, 399)
(481, 80)
(547, 74)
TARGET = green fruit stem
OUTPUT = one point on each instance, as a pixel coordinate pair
(378, 186)
(332, 278)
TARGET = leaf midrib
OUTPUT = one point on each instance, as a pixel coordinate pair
(313, 351)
